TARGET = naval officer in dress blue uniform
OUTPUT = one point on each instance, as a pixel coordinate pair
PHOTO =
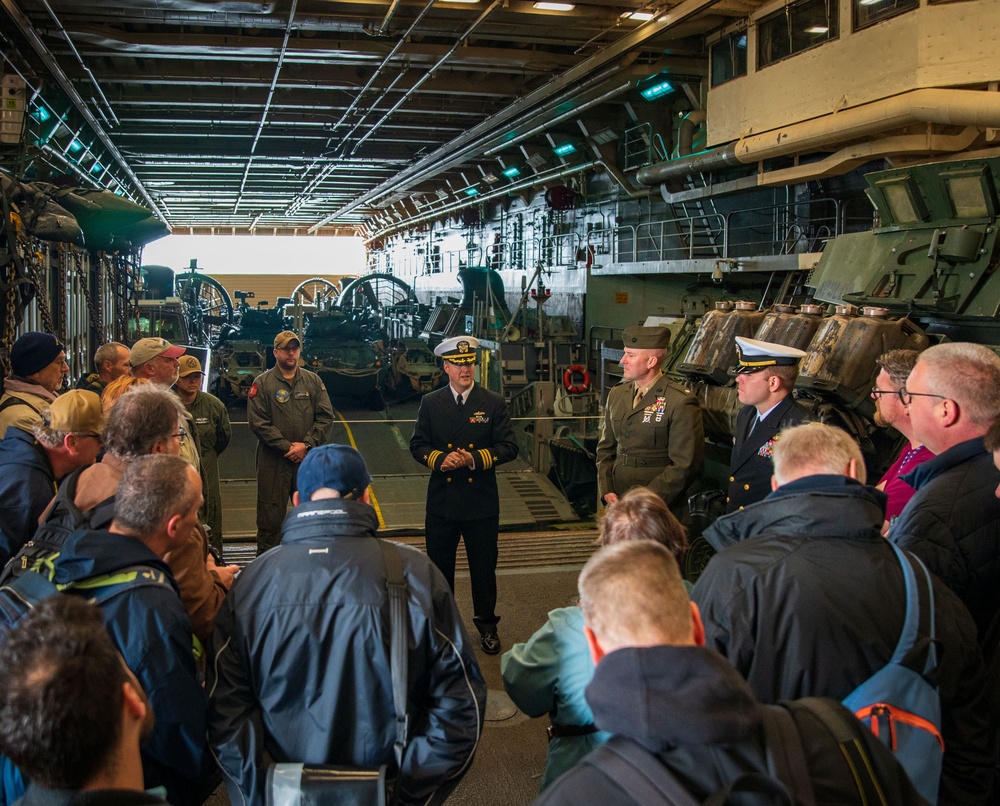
(462, 433)
(765, 378)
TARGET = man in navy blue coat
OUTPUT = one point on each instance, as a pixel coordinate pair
(765, 377)
(462, 433)
(67, 438)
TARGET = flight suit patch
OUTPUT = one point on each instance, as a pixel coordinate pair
(201, 420)
(253, 391)
(301, 395)
(282, 396)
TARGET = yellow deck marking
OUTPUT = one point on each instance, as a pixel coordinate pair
(350, 436)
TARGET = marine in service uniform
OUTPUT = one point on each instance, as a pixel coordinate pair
(652, 434)
(212, 427)
(462, 433)
(765, 378)
(289, 411)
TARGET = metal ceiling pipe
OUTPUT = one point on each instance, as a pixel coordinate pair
(950, 107)
(600, 99)
(685, 132)
(388, 16)
(483, 197)
(704, 162)
(93, 80)
(267, 105)
(427, 76)
(976, 108)
(24, 24)
(839, 162)
(432, 162)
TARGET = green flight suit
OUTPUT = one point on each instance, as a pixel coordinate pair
(211, 422)
(279, 413)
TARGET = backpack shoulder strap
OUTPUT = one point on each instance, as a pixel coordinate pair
(99, 589)
(395, 582)
(639, 773)
(786, 760)
(15, 401)
(911, 564)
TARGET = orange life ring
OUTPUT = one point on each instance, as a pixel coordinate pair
(576, 379)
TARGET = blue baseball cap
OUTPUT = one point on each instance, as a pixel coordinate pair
(338, 467)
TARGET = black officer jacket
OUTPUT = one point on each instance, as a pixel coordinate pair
(750, 476)
(482, 426)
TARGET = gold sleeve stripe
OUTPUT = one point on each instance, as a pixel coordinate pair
(487, 458)
(433, 457)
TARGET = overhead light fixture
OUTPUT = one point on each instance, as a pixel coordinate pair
(542, 6)
(657, 90)
(645, 16)
(605, 135)
(818, 29)
(564, 149)
(511, 171)
(536, 160)
(471, 191)
(75, 146)
(96, 168)
(40, 113)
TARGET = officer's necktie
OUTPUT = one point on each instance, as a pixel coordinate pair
(461, 401)
(637, 398)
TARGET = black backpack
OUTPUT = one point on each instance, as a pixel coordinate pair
(854, 767)
(63, 518)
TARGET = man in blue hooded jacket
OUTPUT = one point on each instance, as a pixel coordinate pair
(67, 438)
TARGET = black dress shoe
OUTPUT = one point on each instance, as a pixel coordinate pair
(490, 642)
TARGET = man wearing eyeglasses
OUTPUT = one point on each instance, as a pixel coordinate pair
(156, 360)
(953, 520)
(895, 367)
(67, 438)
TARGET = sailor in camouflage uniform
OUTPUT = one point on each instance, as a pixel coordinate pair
(652, 434)
(213, 431)
(463, 432)
(289, 411)
(765, 377)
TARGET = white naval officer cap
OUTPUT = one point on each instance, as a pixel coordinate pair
(755, 355)
(458, 349)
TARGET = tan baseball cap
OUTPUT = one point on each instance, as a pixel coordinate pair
(77, 412)
(189, 366)
(146, 350)
(285, 336)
